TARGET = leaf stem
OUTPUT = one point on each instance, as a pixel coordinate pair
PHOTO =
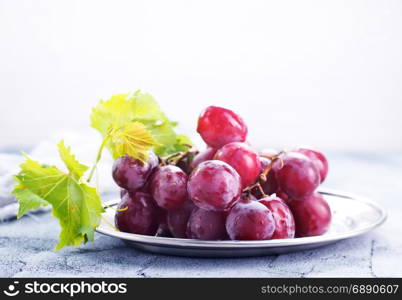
(108, 223)
(98, 157)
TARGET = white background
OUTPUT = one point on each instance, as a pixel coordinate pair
(324, 73)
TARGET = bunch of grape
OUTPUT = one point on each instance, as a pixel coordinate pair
(228, 191)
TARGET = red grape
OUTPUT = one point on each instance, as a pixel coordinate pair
(284, 221)
(250, 220)
(318, 159)
(207, 154)
(312, 216)
(219, 126)
(177, 219)
(270, 185)
(243, 159)
(214, 185)
(207, 225)
(285, 198)
(298, 177)
(132, 174)
(141, 215)
(169, 187)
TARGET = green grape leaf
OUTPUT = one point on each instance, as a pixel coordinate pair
(77, 169)
(76, 205)
(113, 116)
(122, 109)
(181, 143)
(27, 200)
(165, 136)
(146, 108)
(132, 139)
(114, 112)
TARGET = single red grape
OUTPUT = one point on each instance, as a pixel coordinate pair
(132, 174)
(169, 187)
(312, 216)
(243, 159)
(207, 154)
(298, 176)
(250, 220)
(139, 214)
(283, 217)
(177, 219)
(207, 225)
(214, 185)
(219, 126)
(318, 159)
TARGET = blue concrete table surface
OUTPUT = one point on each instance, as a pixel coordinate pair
(26, 245)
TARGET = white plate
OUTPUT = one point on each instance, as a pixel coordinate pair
(352, 216)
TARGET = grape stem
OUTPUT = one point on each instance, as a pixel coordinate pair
(175, 158)
(178, 158)
(273, 159)
(253, 186)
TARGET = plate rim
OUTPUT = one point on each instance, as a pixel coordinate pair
(192, 243)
